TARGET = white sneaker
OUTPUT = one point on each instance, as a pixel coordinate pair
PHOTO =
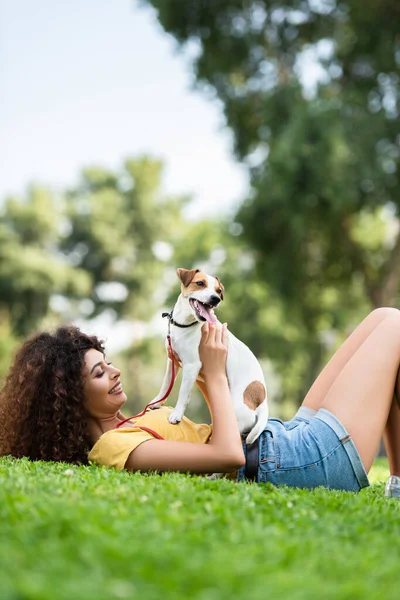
(392, 488)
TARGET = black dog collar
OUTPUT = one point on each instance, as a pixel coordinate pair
(172, 322)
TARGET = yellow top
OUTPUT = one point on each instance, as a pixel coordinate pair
(113, 447)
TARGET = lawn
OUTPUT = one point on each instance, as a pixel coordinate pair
(93, 533)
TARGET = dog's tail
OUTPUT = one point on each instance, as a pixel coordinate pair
(261, 421)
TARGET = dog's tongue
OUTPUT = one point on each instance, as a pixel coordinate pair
(206, 312)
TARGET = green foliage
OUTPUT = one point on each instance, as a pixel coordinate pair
(8, 344)
(33, 221)
(311, 91)
(95, 243)
(93, 533)
(115, 221)
(319, 158)
(90, 249)
(31, 267)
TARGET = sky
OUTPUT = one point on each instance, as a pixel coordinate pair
(95, 81)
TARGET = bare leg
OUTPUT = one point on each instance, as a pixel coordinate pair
(361, 395)
(322, 384)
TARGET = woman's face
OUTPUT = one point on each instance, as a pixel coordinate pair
(103, 389)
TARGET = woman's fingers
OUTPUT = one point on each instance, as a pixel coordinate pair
(224, 334)
(204, 333)
(217, 327)
(213, 349)
(209, 332)
(215, 333)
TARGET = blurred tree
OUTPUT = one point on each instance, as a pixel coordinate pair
(31, 267)
(101, 242)
(118, 227)
(310, 89)
(8, 343)
(100, 246)
(257, 314)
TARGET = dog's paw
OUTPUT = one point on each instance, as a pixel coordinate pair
(156, 405)
(175, 417)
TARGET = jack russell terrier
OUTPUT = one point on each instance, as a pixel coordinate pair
(200, 294)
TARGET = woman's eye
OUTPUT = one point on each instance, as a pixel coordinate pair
(98, 375)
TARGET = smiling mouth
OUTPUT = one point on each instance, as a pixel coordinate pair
(204, 312)
(117, 389)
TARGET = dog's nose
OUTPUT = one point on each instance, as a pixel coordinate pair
(214, 300)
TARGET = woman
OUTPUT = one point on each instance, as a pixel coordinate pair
(62, 400)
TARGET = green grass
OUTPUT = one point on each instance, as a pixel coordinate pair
(88, 532)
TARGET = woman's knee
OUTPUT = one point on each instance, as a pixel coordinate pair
(391, 328)
(384, 312)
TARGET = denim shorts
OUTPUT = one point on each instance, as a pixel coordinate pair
(311, 450)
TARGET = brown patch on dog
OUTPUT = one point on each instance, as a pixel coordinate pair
(200, 276)
(254, 394)
(187, 275)
(191, 277)
(220, 289)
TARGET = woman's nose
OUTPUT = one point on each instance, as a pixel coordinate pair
(115, 372)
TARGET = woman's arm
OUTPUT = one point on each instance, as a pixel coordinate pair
(224, 453)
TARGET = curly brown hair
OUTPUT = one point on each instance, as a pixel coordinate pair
(42, 412)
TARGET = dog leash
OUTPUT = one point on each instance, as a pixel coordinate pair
(142, 428)
(167, 393)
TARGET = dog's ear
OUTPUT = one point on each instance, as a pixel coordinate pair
(222, 288)
(186, 275)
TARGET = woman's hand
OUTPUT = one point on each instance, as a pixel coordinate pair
(224, 451)
(213, 350)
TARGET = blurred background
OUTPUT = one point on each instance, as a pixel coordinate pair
(256, 139)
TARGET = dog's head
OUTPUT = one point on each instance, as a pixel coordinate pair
(202, 292)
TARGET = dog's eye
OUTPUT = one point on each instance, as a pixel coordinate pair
(200, 283)
(219, 291)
